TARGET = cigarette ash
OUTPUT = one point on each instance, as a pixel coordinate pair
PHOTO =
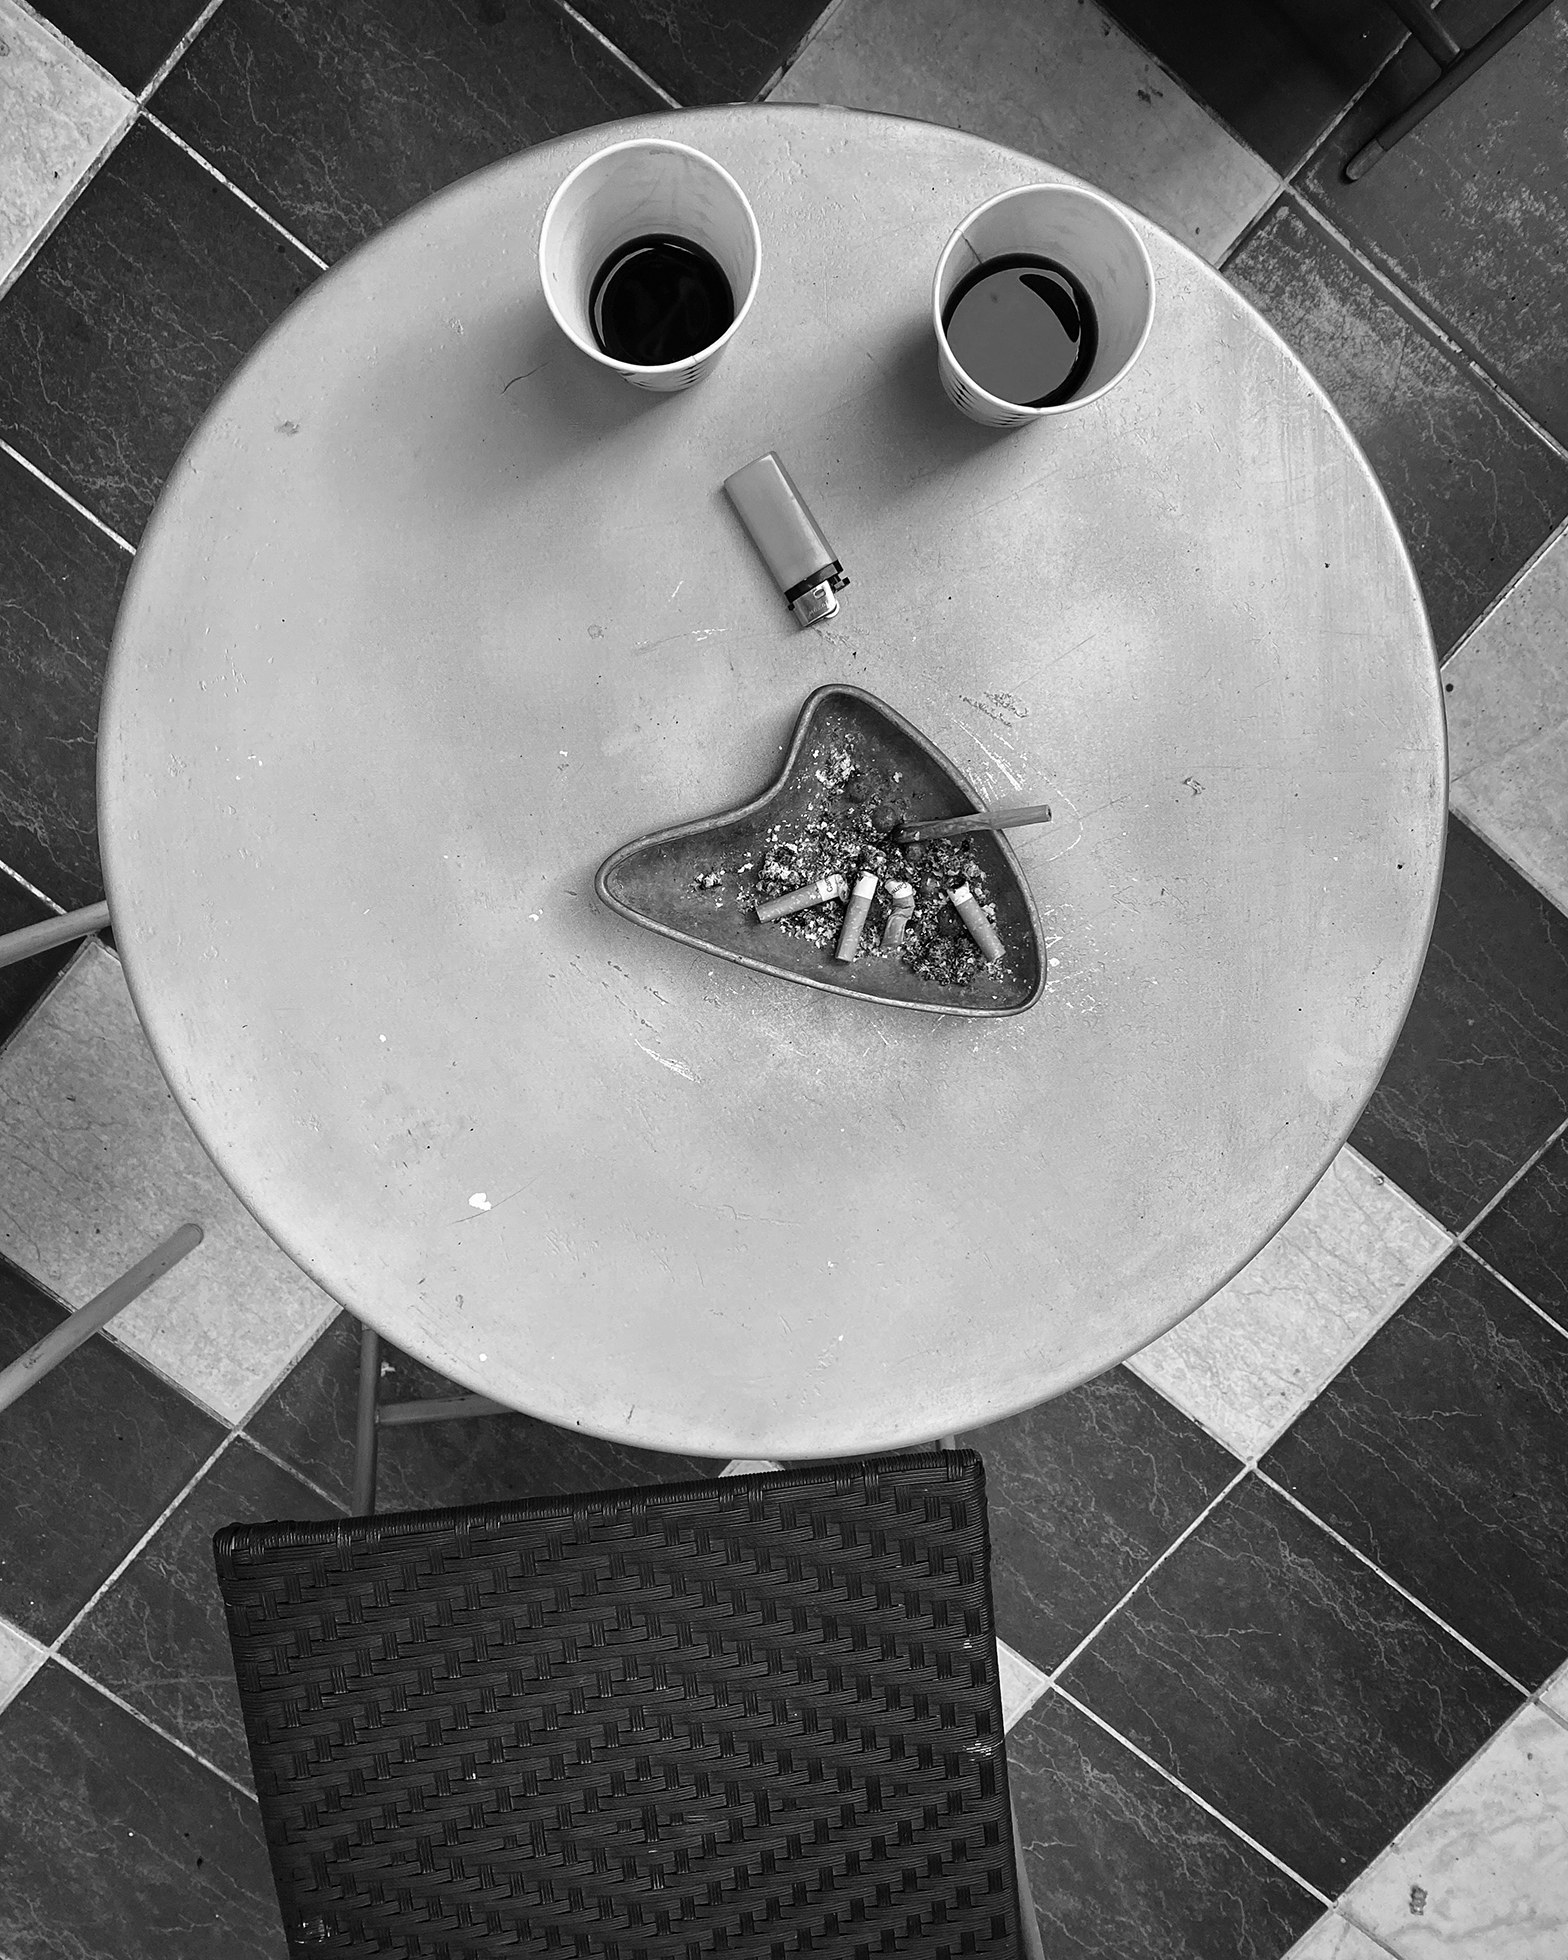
(849, 832)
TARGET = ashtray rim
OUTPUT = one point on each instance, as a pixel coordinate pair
(671, 833)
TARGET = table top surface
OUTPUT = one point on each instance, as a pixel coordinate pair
(433, 615)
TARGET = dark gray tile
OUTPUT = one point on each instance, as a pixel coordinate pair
(1526, 1237)
(88, 1458)
(60, 586)
(1124, 1866)
(1084, 1493)
(22, 984)
(1474, 488)
(117, 1845)
(131, 38)
(1290, 1686)
(1278, 71)
(706, 50)
(336, 115)
(1469, 212)
(157, 1638)
(1479, 1078)
(1438, 1452)
(140, 303)
(309, 1421)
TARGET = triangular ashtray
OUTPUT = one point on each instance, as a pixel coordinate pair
(666, 881)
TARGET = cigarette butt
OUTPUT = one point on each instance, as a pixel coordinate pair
(855, 917)
(801, 899)
(903, 897)
(980, 928)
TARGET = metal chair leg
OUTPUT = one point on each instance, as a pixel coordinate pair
(98, 1312)
(23, 944)
(1457, 69)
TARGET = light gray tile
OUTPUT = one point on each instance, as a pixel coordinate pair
(1507, 704)
(99, 1166)
(57, 112)
(20, 1659)
(1333, 1938)
(1022, 1685)
(1249, 1360)
(1055, 79)
(1555, 1693)
(1482, 1873)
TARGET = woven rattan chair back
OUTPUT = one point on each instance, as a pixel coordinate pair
(757, 1717)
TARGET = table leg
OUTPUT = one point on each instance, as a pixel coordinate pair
(365, 1437)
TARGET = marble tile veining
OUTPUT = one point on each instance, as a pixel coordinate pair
(1506, 691)
(706, 50)
(158, 1858)
(89, 1458)
(1525, 1237)
(1478, 1081)
(61, 579)
(1474, 489)
(1246, 1363)
(101, 1167)
(1083, 1493)
(1124, 1866)
(57, 112)
(1483, 1873)
(1290, 1687)
(1438, 1452)
(1051, 81)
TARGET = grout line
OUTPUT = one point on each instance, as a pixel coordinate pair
(1518, 1292)
(618, 54)
(822, 20)
(1554, 537)
(1414, 306)
(148, 1723)
(27, 885)
(1344, 1912)
(293, 1469)
(1187, 1791)
(1062, 1666)
(213, 171)
(141, 1544)
(1519, 1175)
(161, 75)
(65, 496)
(47, 229)
(1403, 1591)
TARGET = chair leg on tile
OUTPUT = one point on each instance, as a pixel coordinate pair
(85, 1322)
(365, 1433)
(1030, 1946)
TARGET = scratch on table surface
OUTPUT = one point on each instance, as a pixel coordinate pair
(697, 633)
(677, 1068)
(994, 758)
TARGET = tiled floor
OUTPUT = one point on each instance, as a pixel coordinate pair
(1285, 1599)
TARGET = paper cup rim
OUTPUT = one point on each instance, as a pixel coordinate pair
(1002, 197)
(588, 346)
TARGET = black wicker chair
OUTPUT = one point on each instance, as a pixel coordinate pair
(756, 1717)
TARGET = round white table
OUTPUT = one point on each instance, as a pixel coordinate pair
(432, 616)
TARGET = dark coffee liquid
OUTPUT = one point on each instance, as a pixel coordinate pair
(1024, 329)
(659, 299)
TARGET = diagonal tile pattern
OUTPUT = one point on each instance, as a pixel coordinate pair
(1507, 699)
(1257, 1739)
(1250, 1360)
(101, 1167)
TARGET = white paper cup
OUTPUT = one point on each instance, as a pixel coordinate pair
(629, 191)
(1080, 230)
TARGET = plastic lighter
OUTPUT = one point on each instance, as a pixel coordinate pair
(800, 558)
